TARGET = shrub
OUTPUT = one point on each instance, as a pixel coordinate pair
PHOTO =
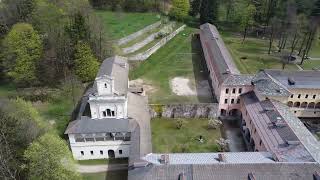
(214, 124)
(179, 123)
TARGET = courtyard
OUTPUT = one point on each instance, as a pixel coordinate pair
(166, 138)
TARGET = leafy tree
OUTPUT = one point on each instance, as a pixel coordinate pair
(50, 158)
(195, 7)
(86, 65)
(78, 29)
(180, 9)
(23, 49)
(209, 11)
(20, 125)
(247, 19)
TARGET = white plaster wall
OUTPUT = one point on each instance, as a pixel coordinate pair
(97, 109)
(76, 151)
(102, 89)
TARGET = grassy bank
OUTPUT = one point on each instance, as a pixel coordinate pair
(121, 24)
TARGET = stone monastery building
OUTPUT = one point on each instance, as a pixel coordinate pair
(268, 105)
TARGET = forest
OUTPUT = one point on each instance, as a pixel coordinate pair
(54, 48)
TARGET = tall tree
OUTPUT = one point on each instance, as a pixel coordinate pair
(86, 65)
(247, 19)
(180, 9)
(195, 7)
(209, 11)
(23, 50)
(49, 158)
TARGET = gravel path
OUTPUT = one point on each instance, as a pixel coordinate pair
(100, 168)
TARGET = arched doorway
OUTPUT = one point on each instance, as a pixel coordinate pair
(304, 105)
(111, 154)
(290, 103)
(296, 104)
(223, 112)
(235, 113)
(311, 105)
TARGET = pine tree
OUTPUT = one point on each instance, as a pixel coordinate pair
(209, 11)
(195, 7)
(180, 9)
(86, 65)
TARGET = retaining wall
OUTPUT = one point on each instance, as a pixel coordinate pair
(146, 41)
(138, 33)
(145, 55)
(203, 110)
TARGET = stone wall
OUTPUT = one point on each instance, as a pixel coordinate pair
(203, 110)
(145, 55)
(146, 41)
(138, 33)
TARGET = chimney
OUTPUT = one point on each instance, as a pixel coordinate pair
(164, 159)
(221, 157)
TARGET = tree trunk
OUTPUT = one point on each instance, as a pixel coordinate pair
(303, 41)
(271, 40)
(245, 34)
(305, 50)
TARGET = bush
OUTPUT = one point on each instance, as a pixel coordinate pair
(214, 124)
(179, 123)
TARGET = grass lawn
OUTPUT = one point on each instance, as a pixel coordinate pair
(111, 175)
(252, 55)
(121, 24)
(182, 56)
(310, 64)
(315, 50)
(167, 138)
(103, 161)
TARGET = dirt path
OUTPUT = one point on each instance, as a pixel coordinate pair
(100, 168)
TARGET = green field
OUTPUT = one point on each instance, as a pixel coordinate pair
(167, 138)
(180, 57)
(311, 64)
(252, 55)
(121, 24)
(111, 175)
(103, 161)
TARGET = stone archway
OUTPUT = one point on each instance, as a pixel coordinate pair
(223, 112)
(317, 105)
(311, 105)
(290, 103)
(296, 104)
(111, 154)
(235, 113)
(304, 105)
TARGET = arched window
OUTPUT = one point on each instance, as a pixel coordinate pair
(290, 103)
(311, 105)
(304, 105)
(296, 104)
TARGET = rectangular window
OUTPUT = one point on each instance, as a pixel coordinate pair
(108, 112)
(101, 152)
(226, 101)
(238, 101)
(112, 113)
(299, 95)
(79, 139)
(91, 152)
(233, 90)
(227, 91)
(104, 114)
(314, 96)
(240, 90)
(232, 101)
(120, 151)
(82, 153)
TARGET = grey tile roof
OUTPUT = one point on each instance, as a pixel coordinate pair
(88, 125)
(227, 171)
(116, 67)
(266, 85)
(216, 53)
(239, 80)
(212, 158)
(302, 79)
(276, 138)
(302, 133)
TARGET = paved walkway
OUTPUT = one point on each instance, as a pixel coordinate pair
(100, 168)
